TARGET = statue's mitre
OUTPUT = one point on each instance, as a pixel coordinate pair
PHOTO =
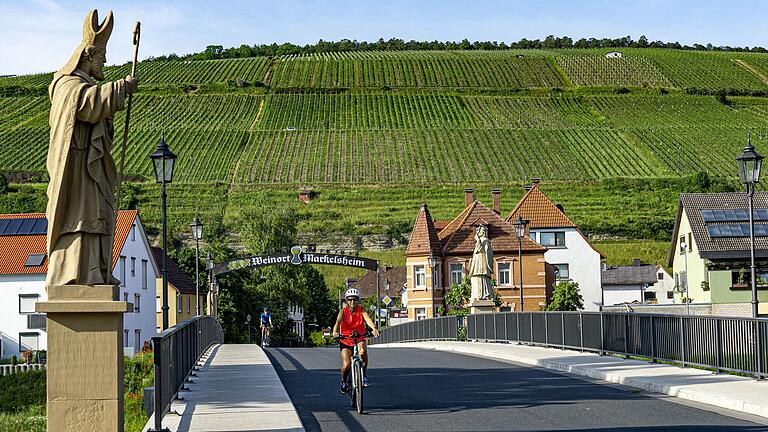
(93, 34)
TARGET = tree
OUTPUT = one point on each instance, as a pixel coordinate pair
(458, 297)
(3, 185)
(566, 297)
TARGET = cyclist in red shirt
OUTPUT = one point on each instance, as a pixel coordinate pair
(352, 318)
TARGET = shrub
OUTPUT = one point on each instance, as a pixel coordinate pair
(22, 390)
(317, 339)
(3, 184)
(566, 297)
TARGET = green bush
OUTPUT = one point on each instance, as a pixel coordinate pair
(139, 373)
(317, 339)
(22, 390)
(3, 184)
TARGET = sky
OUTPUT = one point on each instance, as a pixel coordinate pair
(40, 35)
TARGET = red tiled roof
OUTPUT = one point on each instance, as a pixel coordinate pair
(543, 213)
(459, 236)
(440, 224)
(367, 284)
(15, 249)
(424, 239)
(176, 276)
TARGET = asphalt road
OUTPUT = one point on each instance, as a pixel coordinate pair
(420, 390)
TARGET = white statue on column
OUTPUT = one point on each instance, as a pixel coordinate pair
(481, 267)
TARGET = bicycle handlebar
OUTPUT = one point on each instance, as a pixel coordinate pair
(356, 335)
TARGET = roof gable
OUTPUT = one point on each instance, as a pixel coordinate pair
(540, 210)
(15, 249)
(629, 275)
(424, 238)
(176, 276)
(459, 236)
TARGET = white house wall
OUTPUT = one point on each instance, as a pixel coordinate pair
(618, 294)
(145, 320)
(11, 321)
(583, 264)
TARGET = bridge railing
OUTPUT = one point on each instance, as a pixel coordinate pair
(176, 352)
(721, 343)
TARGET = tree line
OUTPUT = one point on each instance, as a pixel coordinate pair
(212, 52)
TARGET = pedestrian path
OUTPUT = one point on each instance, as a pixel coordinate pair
(732, 392)
(237, 390)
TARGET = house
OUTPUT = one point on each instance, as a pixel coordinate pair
(568, 249)
(710, 251)
(614, 54)
(181, 292)
(23, 265)
(627, 284)
(663, 291)
(452, 248)
(391, 284)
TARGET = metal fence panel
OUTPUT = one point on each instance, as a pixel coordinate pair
(538, 327)
(572, 330)
(525, 327)
(511, 323)
(555, 328)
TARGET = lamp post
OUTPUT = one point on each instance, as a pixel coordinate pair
(197, 233)
(163, 161)
(750, 162)
(386, 293)
(432, 261)
(209, 267)
(520, 225)
(248, 319)
(684, 245)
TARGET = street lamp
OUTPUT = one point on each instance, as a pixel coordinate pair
(750, 163)
(432, 261)
(386, 293)
(209, 267)
(520, 225)
(248, 318)
(684, 245)
(163, 161)
(197, 233)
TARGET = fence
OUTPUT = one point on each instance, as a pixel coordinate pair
(176, 352)
(443, 328)
(721, 343)
(12, 369)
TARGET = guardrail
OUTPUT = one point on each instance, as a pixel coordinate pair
(443, 328)
(176, 352)
(724, 344)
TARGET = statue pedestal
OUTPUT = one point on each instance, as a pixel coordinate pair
(482, 306)
(85, 358)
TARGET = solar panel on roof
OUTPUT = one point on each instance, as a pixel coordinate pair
(733, 215)
(41, 226)
(26, 226)
(13, 227)
(736, 230)
(3, 225)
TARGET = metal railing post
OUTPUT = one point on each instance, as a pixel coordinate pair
(683, 357)
(581, 331)
(546, 329)
(653, 341)
(602, 334)
(719, 343)
(626, 335)
(517, 316)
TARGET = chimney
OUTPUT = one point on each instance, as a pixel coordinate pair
(528, 187)
(469, 196)
(496, 193)
(638, 263)
(536, 180)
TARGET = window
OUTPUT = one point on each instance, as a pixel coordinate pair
(504, 277)
(137, 340)
(533, 236)
(137, 303)
(561, 271)
(457, 274)
(670, 294)
(649, 296)
(144, 274)
(133, 232)
(133, 267)
(125, 338)
(189, 303)
(125, 297)
(122, 271)
(27, 303)
(683, 280)
(421, 313)
(28, 341)
(690, 242)
(680, 244)
(419, 277)
(660, 276)
(179, 303)
(556, 239)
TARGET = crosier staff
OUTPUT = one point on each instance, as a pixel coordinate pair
(136, 37)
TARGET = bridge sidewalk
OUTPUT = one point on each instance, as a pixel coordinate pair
(237, 390)
(725, 391)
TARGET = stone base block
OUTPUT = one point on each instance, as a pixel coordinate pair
(84, 415)
(482, 306)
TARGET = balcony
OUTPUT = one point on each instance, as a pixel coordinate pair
(36, 322)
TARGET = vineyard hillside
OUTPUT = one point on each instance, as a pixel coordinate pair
(408, 120)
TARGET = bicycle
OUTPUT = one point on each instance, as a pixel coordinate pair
(265, 337)
(355, 376)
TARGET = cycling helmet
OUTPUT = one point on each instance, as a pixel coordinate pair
(352, 292)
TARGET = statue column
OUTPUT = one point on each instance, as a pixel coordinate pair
(85, 358)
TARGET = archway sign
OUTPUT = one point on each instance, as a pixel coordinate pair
(297, 257)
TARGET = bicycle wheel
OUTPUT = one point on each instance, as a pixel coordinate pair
(359, 385)
(351, 386)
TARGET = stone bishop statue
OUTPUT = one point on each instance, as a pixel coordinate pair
(81, 216)
(481, 266)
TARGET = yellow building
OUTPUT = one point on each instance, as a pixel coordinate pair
(181, 293)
